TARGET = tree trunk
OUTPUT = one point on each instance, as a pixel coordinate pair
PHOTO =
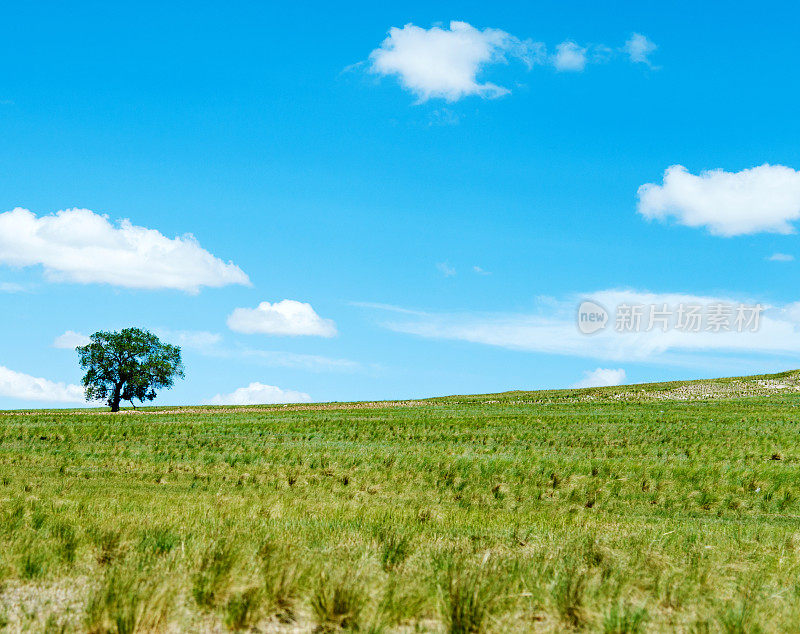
(115, 398)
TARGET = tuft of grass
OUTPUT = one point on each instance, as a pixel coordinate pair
(471, 596)
(212, 577)
(55, 625)
(5, 573)
(622, 618)
(280, 583)
(337, 602)
(129, 600)
(738, 619)
(109, 545)
(398, 602)
(568, 594)
(158, 541)
(394, 550)
(34, 563)
(739, 616)
(242, 609)
(14, 517)
(67, 542)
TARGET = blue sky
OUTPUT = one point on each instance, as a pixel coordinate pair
(316, 161)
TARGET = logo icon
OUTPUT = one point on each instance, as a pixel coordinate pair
(591, 317)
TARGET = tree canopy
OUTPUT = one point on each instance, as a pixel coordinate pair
(127, 365)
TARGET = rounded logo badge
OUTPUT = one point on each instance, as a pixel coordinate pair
(591, 317)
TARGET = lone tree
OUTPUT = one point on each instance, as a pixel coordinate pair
(126, 365)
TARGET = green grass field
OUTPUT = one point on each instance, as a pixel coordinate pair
(647, 508)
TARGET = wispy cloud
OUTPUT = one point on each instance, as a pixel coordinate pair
(445, 269)
(552, 328)
(212, 344)
(310, 362)
(639, 49)
(781, 257)
(390, 308)
(11, 287)
(443, 117)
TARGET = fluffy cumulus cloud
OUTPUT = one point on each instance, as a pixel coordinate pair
(70, 340)
(448, 62)
(639, 48)
(445, 62)
(287, 317)
(258, 394)
(760, 199)
(78, 245)
(601, 377)
(551, 328)
(30, 388)
(569, 57)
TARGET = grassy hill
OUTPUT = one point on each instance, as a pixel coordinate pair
(653, 507)
(704, 389)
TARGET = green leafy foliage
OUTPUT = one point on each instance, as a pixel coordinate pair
(127, 365)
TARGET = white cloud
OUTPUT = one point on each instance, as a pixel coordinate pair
(445, 269)
(30, 388)
(287, 317)
(480, 271)
(210, 344)
(780, 257)
(759, 199)
(443, 117)
(569, 57)
(70, 340)
(257, 394)
(283, 359)
(11, 287)
(78, 245)
(639, 48)
(390, 308)
(194, 339)
(310, 362)
(445, 62)
(552, 329)
(601, 377)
